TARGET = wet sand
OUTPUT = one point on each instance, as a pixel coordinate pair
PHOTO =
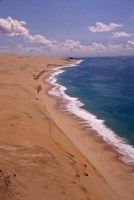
(44, 152)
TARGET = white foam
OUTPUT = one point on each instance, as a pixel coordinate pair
(73, 105)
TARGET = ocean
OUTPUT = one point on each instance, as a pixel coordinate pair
(100, 90)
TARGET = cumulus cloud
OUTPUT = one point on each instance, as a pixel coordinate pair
(39, 44)
(21, 48)
(131, 42)
(121, 34)
(101, 27)
(67, 47)
(41, 40)
(71, 44)
(115, 46)
(97, 46)
(75, 48)
(13, 27)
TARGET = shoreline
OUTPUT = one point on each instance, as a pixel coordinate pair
(66, 100)
(90, 134)
(79, 120)
(57, 159)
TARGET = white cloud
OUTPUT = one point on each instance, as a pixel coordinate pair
(115, 47)
(71, 44)
(121, 34)
(75, 48)
(101, 27)
(21, 48)
(72, 48)
(13, 27)
(98, 46)
(41, 40)
(67, 47)
(131, 42)
(39, 44)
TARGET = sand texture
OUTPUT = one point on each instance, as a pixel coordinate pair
(45, 154)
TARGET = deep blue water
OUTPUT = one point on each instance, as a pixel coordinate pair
(106, 87)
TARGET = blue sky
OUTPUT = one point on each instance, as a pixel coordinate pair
(67, 28)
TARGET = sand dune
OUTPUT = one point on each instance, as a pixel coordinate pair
(41, 149)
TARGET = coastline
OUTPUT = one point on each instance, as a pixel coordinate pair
(87, 119)
(88, 135)
(80, 160)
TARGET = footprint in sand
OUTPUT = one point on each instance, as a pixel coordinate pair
(39, 88)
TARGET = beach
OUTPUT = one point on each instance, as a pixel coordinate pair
(45, 153)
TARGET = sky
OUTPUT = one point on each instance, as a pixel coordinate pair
(67, 27)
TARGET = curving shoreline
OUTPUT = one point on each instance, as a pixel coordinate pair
(73, 105)
(44, 140)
